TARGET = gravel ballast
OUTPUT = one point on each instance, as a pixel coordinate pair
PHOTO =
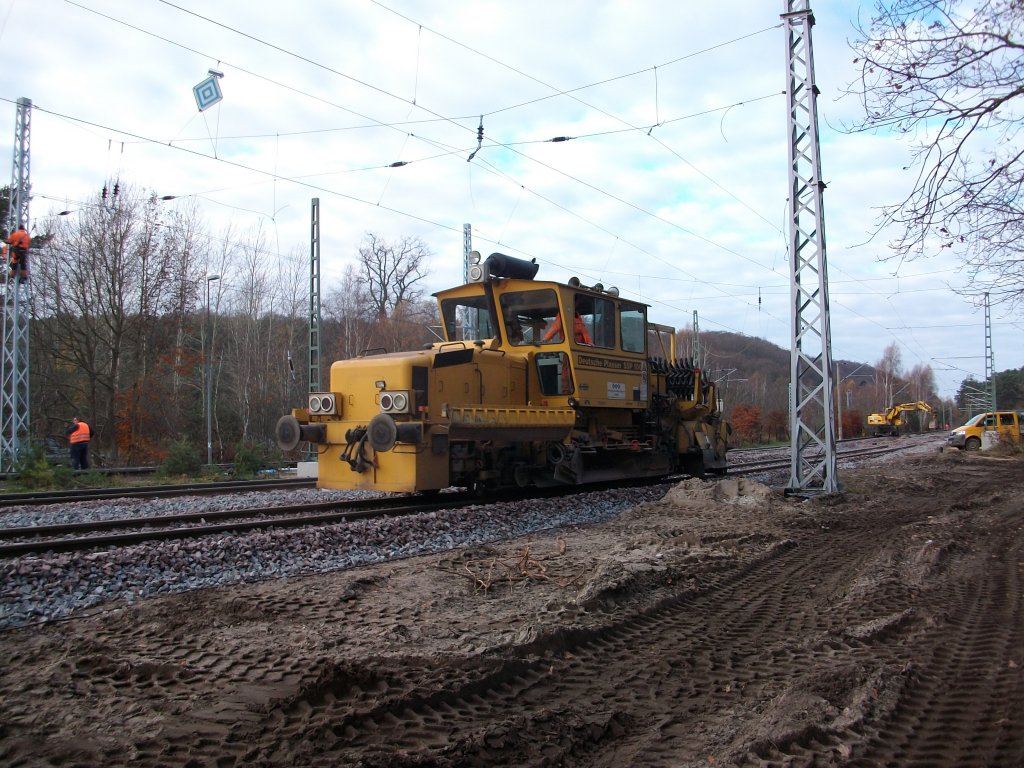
(53, 586)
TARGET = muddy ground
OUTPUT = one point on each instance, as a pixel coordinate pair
(725, 625)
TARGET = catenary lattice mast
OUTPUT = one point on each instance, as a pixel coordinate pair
(813, 458)
(14, 370)
(990, 358)
(314, 297)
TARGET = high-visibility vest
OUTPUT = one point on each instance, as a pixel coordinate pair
(579, 330)
(20, 240)
(81, 433)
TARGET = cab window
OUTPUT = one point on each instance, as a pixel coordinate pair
(633, 325)
(594, 323)
(467, 319)
(531, 317)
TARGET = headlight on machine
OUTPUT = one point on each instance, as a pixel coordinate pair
(394, 402)
(323, 404)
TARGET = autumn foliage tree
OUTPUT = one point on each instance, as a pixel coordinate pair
(746, 423)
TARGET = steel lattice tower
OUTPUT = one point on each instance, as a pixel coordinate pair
(812, 418)
(470, 318)
(314, 297)
(17, 309)
(990, 357)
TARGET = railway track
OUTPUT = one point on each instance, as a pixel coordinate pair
(73, 537)
(96, 534)
(35, 498)
(84, 536)
(847, 452)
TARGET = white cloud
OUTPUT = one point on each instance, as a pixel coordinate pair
(690, 217)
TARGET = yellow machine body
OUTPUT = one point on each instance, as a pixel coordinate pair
(536, 383)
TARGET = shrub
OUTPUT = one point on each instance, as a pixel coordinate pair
(182, 459)
(248, 459)
(35, 471)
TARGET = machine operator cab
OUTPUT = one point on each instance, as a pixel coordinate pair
(583, 344)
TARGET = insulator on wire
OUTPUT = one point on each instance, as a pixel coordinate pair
(479, 139)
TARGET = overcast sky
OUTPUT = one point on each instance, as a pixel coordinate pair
(673, 186)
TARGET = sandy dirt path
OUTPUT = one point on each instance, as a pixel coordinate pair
(723, 625)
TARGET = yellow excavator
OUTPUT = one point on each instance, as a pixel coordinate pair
(889, 423)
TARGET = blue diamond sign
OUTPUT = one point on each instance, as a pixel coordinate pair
(207, 93)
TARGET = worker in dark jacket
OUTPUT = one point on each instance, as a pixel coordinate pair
(78, 436)
(19, 242)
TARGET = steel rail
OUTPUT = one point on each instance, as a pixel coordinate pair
(79, 543)
(35, 498)
(34, 538)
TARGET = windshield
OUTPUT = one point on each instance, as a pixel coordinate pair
(467, 319)
(531, 317)
(975, 420)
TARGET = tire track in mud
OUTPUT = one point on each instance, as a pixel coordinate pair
(671, 686)
(963, 705)
(730, 634)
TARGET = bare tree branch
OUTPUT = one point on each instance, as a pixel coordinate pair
(949, 75)
(389, 272)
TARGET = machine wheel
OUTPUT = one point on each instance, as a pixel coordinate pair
(972, 444)
(693, 466)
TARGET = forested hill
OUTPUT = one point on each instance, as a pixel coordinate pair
(733, 356)
(753, 372)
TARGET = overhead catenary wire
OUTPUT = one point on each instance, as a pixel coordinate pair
(480, 129)
(395, 96)
(439, 120)
(271, 176)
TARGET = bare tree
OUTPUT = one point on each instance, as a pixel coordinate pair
(347, 307)
(390, 272)
(947, 75)
(409, 327)
(887, 371)
(922, 383)
(290, 359)
(163, 399)
(189, 247)
(247, 339)
(104, 282)
(261, 315)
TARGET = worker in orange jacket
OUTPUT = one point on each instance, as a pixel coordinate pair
(579, 330)
(79, 435)
(19, 242)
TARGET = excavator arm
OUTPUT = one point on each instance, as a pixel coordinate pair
(889, 423)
